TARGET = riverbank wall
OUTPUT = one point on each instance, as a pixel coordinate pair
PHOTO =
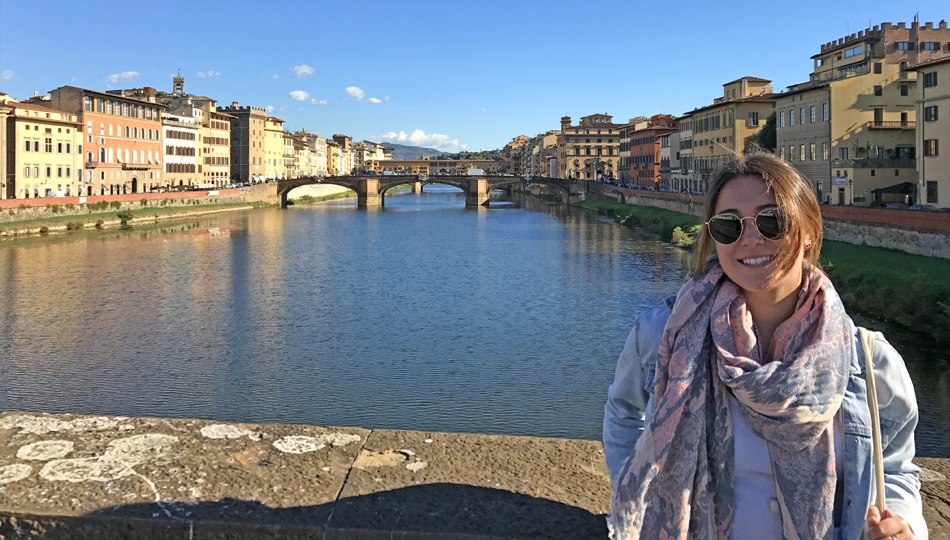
(77, 477)
(910, 231)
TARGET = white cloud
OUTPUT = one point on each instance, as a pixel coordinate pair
(269, 108)
(356, 92)
(302, 71)
(484, 109)
(421, 138)
(6, 75)
(275, 76)
(299, 95)
(210, 74)
(374, 100)
(316, 101)
(124, 76)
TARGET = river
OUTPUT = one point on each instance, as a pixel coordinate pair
(422, 315)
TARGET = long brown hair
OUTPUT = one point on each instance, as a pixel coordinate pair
(794, 198)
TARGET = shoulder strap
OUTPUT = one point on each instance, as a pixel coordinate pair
(867, 343)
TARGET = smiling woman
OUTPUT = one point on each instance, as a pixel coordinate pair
(744, 378)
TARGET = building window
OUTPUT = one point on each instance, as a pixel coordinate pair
(753, 118)
(781, 152)
(877, 68)
(931, 148)
(930, 46)
(801, 152)
(825, 112)
(824, 150)
(781, 119)
(873, 172)
(930, 79)
(811, 152)
(903, 89)
(843, 153)
(802, 116)
(930, 113)
(791, 117)
(903, 46)
(811, 112)
(931, 191)
(26, 172)
(878, 90)
(791, 152)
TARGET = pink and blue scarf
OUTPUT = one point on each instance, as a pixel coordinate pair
(679, 482)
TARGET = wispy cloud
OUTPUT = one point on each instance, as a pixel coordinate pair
(124, 76)
(6, 75)
(316, 101)
(374, 100)
(302, 71)
(299, 95)
(421, 138)
(269, 109)
(356, 92)
(484, 109)
(210, 74)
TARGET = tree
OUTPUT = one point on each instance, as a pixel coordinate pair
(765, 138)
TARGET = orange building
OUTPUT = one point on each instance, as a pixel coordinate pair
(645, 150)
(122, 139)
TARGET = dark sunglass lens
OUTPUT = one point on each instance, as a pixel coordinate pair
(725, 229)
(771, 224)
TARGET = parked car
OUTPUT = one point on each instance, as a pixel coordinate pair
(896, 206)
(924, 207)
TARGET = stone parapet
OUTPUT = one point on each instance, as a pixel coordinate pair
(69, 476)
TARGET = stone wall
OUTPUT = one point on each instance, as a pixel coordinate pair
(910, 231)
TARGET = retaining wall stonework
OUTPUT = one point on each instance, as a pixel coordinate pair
(910, 231)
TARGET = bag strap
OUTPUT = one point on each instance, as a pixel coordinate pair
(867, 343)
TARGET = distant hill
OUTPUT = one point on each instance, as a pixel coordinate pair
(401, 151)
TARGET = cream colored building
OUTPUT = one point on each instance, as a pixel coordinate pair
(933, 133)
(47, 157)
(719, 130)
(273, 148)
(180, 135)
(873, 117)
(347, 156)
(8, 180)
(590, 148)
(537, 152)
(247, 142)
(803, 133)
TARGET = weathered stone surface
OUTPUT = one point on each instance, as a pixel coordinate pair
(79, 477)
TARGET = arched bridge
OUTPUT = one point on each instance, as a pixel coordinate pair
(371, 189)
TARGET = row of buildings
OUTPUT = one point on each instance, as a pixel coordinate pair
(866, 126)
(81, 142)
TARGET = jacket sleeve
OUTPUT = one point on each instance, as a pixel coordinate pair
(897, 405)
(629, 397)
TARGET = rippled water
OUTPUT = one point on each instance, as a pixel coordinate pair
(424, 315)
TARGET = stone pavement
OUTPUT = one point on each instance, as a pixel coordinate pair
(78, 477)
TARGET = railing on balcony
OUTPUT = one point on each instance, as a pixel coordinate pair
(908, 75)
(874, 163)
(892, 124)
(92, 164)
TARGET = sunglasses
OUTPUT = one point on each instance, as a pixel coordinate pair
(727, 228)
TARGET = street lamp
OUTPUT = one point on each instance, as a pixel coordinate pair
(851, 189)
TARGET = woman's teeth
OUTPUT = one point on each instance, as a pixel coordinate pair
(757, 261)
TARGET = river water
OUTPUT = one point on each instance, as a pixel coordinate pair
(423, 315)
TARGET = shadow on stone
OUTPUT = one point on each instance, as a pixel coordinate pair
(427, 511)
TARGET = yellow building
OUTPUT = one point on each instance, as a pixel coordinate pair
(590, 148)
(933, 133)
(873, 116)
(7, 181)
(48, 157)
(719, 130)
(273, 148)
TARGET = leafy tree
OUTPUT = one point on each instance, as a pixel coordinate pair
(765, 138)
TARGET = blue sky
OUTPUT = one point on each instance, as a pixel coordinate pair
(450, 75)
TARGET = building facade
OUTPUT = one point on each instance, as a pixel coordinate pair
(247, 142)
(44, 156)
(180, 135)
(589, 149)
(933, 133)
(122, 139)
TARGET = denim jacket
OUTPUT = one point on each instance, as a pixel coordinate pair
(629, 402)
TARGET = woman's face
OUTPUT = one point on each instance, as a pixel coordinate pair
(750, 261)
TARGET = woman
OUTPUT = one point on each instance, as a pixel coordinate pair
(752, 388)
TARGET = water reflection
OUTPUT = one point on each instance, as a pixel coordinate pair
(423, 314)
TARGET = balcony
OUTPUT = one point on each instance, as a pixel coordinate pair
(135, 167)
(892, 124)
(91, 164)
(874, 163)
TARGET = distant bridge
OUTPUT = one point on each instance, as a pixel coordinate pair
(371, 189)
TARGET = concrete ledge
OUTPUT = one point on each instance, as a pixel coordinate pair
(69, 476)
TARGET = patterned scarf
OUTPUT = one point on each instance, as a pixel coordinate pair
(679, 482)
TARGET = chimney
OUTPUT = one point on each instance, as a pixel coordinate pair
(234, 104)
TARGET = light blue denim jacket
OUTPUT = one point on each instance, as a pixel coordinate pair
(629, 402)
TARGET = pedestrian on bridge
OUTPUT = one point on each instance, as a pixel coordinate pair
(739, 409)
